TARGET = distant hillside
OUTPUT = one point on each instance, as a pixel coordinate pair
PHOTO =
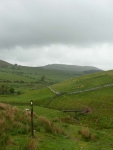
(16, 72)
(63, 67)
(52, 73)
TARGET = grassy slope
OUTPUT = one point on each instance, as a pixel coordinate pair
(28, 78)
(15, 131)
(85, 82)
(40, 96)
(17, 125)
(35, 73)
(13, 77)
(100, 101)
(100, 120)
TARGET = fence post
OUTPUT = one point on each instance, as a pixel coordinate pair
(32, 124)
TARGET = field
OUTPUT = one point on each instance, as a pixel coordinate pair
(91, 128)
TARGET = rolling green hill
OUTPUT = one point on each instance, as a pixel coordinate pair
(88, 91)
(84, 82)
(91, 128)
(55, 73)
(32, 73)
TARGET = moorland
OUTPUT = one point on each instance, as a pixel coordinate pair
(72, 107)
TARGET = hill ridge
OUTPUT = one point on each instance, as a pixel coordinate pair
(4, 63)
(63, 67)
(66, 67)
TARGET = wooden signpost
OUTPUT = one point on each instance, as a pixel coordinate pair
(32, 123)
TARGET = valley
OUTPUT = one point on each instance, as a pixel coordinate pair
(52, 91)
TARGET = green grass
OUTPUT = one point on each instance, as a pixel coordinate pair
(55, 129)
(17, 133)
(84, 82)
(100, 102)
(34, 74)
(41, 97)
(48, 113)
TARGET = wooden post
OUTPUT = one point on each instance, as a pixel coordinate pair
(32, 124)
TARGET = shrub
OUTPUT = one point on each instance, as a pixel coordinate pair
(86, 134)
(18, 92)
(11, 90)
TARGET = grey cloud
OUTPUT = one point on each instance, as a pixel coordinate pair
(75, 22)
(41, 32)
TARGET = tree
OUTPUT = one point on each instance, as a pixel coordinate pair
(4, 89)
(11, 90)
(43, 78)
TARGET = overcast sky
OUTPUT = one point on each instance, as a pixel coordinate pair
(41, 32)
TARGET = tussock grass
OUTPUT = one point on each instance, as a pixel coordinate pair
(14, 121)
(31, 144)
(68, 119)
(49, 126)
(87, 134)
